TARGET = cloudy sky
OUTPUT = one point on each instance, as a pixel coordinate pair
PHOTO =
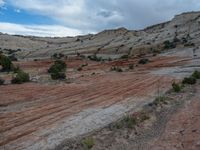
(76, 17)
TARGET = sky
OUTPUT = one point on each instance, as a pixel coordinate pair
(78, 17)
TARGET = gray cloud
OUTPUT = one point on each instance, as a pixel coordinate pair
(97, 15)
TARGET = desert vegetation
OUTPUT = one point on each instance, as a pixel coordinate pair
(6, 63)
(57, 70)
(20, 77)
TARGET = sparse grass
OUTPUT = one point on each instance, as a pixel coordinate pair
(129, 121)
(143, 117)
(88, 143)
(160, 100)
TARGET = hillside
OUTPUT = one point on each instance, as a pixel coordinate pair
(113, 42)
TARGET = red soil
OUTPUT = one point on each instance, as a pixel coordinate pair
(32, 107)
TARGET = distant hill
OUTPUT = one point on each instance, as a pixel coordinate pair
(183, 28)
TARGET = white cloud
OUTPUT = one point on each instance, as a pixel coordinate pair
(2, 3)
(38, 30)
(96, 15)
(90, 16)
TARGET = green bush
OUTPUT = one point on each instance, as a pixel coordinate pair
(189, 80)
(58, 66)
(2, 81)
(196, 74)
(143, 61)
(176, 87)
(88, 143)
(169, 45)
(6, 63)
(57, 70)
(20, 77)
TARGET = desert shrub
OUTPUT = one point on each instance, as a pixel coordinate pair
(57, 70)
(55, 56)
(2, 81)
(189, 80)
(79, 69)
(6, 63)
(88, 143)
(117, 69)
(176, 87)
(94, 58)
(20, 77)
(196, 74)
(131, 66)
(176, 40)
(58, 66)
(189, 44)
(143, 117)
(129, 121)
(159, 100)
(184, 40)
(124, 57)
(143, 61)
(58, 56)
(84, 65)
(58, 75)
(169, 45)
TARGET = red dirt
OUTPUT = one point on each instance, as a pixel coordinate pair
(182, 130)
(32, 107)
